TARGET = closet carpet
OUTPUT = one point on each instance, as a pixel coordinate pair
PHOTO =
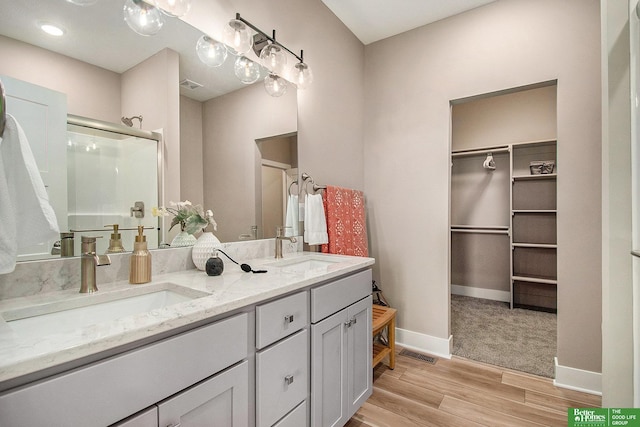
(488, 331)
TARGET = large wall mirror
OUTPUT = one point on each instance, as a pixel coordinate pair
(227, 135)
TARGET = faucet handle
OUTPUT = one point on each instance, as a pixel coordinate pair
(280, 230)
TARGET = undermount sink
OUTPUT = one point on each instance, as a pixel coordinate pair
(91, 309)
(306, 263)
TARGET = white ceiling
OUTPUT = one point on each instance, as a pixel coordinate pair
(373, 20)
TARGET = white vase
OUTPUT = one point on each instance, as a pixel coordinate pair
(183, 239)
(203, 249)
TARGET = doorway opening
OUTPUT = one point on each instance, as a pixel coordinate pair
(503, 245)
(278, 171)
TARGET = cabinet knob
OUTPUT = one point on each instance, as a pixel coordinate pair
(351, 322)
(288, 319)
(288, 380)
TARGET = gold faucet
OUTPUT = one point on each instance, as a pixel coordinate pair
(88, 263)
(279, 238)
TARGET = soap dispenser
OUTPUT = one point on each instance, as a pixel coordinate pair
(115, 242)
(140, 264)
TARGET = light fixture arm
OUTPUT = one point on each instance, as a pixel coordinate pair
(272, 39)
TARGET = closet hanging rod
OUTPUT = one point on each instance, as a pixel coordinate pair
(462, 153)
(3, 109)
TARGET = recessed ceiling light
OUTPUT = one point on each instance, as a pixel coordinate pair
(52, 30)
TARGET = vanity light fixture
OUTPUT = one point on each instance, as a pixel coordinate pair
(174, 8)
(211, 52)
(275, 85)
(237, 37)
(246, 70)
(142, 17)
(274, 57)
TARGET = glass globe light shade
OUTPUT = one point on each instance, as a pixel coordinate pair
(175, 8)
(83, 2)
(275, 85)
(142, 17)
(301, 75)
(211, 52)
(274, 58)
(246, 70)
(237, 37)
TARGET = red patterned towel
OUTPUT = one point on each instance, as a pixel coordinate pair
(346, 224)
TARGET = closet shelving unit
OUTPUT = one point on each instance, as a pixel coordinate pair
(534, 245)
(532, 223)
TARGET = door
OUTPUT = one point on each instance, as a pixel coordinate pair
(328, 370)
(359, 350)
(221, 401)
(42, 114)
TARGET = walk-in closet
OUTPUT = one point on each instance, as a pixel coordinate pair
(504, 172)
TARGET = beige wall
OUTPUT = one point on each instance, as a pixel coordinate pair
(526, 115)
(232, 124)
(191, 163)
(495, 47)
(150, 89)
(91, 91)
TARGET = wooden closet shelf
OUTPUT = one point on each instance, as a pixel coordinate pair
(535, 177)
(535, 245)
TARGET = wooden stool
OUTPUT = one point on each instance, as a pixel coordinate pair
(384, 317)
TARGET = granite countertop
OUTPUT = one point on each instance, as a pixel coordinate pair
(24, 354)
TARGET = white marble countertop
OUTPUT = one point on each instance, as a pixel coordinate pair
(23, 354)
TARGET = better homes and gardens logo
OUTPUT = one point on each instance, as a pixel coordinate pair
(603, 417)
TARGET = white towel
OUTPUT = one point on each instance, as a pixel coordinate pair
(291, 219)
(315, 224)
(26, 217)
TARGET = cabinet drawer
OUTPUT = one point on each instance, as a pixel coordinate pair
(281, 318)
(296, 418)
(282, 378)
(333, 297)
(146, 418)
(122, 385)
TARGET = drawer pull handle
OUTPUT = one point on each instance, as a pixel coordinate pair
(351, 322)
(174, 425)
(288, 319)
(288, 380)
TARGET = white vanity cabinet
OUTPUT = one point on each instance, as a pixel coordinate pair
(341, 346)
(282, 361)
(109, 390)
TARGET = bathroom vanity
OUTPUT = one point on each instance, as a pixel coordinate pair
(288, 348)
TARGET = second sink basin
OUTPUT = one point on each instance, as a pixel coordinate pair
(85, 310)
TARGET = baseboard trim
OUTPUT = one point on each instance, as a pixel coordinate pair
(470, 291)
(425, 343)
(578, 379)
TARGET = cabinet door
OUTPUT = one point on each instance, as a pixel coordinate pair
(146, 418)
(221, 401)
(328, 371)
(359, 353)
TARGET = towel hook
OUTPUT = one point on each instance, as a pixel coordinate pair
(291, 185)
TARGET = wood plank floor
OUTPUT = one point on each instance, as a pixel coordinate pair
(461, 392)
